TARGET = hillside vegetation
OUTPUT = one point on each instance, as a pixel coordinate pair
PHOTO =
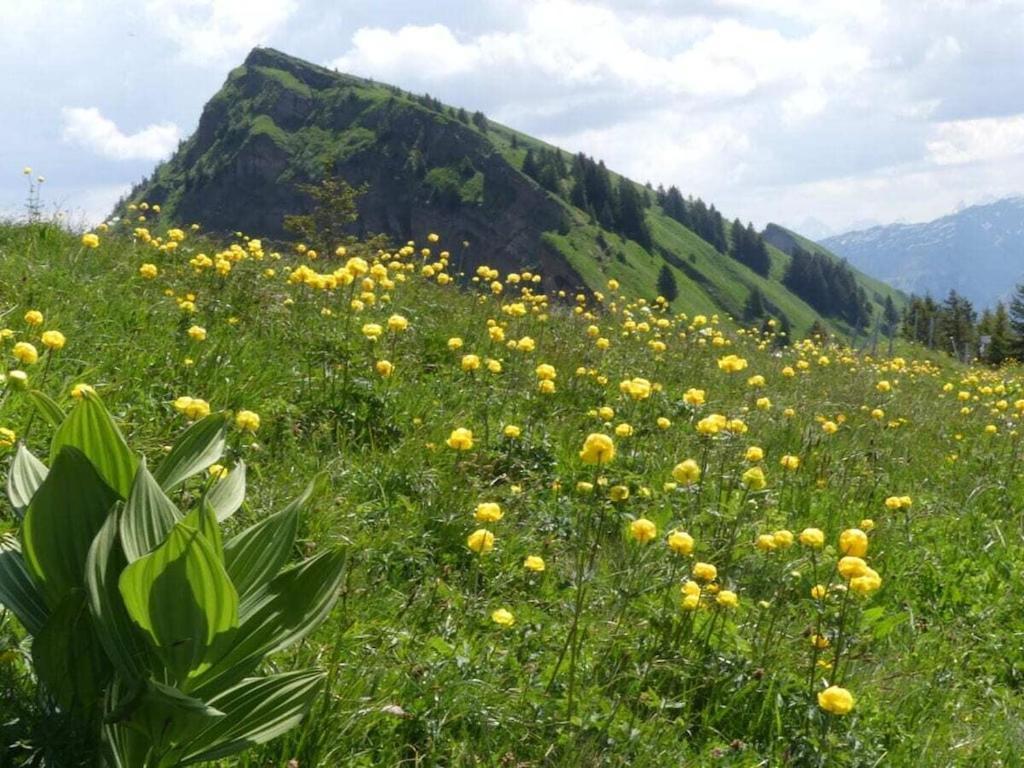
(599, 532)
(503, 199)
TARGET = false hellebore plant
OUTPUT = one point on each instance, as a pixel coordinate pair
(148, 629)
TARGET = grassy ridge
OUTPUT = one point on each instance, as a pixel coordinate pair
(420, 672)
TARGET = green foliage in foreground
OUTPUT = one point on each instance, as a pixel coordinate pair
(417, 673)
(147, 626)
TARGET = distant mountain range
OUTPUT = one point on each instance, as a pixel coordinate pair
(978, 252)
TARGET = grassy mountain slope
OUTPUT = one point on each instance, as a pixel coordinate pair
(278, 121)
(418, 670)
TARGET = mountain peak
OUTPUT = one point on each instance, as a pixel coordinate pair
(499, 197)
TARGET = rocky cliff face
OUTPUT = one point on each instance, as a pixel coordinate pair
(278, 122)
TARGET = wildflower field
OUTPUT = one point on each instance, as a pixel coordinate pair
(576, 530)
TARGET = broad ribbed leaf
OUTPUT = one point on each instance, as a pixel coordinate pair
(64, 517)
(90, 429)
(199, 446)
(256, 711)
(168, 716)
(204, 520)
(227, 495)
(120, 637)
(47, 407)
(180, 595)
(26, 475)
(255, 555)
(18, 593)
(123, 747)
(148, 516)
(68, 658)
(279, 614)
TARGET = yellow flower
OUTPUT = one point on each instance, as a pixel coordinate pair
(90, 240)
(480, 541)
(34, 317)
(623, 430)
(711, 425)
(663, 423)
(754, 479)
(765, 542)
(217, 471)
(372, 331)
(461, 439)
(812, 537)
(754, 454)
(680, 542)
(25, 353)
(597, 449)
(247, 421)
(867, 524)
(694, 397)
(819, 641)
(727, 599)
(197, 333)
(384, 368)
(488, 512)
(454, 343)
(851, 566)
(829, 427)
(686, 472)
(836, 700)
(783, 538)
(534, 563)
(853, 541)
(512, 431)
(503, 617)
(53, 340)
(81, 390)
(546, 372)
(546, 387)
(148, 271)
(606, 413)
(643, 530)
(818, 591)
(866, 583)
(763, 404)
(397, 323)
(16, 379)
(704, 572)
(618, 492)
(7, 437)
(470, 363)
(731, 363)
(790, 462)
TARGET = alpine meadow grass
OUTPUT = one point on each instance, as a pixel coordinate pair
(579, 529)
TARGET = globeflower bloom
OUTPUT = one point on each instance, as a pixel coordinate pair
(686, 472)
(247, 421)
(727, 599)
(836, 700)
(503, 617)
(754, 479)
(25, 353)
(680, 542)
(480, 541)
(197, 333)
(643, 530)
(704, 572)
(731, 363)
(91, 240)
(384, 368)
(812, 537)
(853, 541)
(53, 340)
(534, 563)
(694, 397)
(34, 317)
(461, 439)
(597, 449)
(488, 512)
(790, 462)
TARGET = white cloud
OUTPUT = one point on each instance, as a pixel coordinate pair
(87, 127)
(215, 31)
(967, 141)
(580, 45)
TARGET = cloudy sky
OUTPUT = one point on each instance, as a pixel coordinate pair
(816, 114)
